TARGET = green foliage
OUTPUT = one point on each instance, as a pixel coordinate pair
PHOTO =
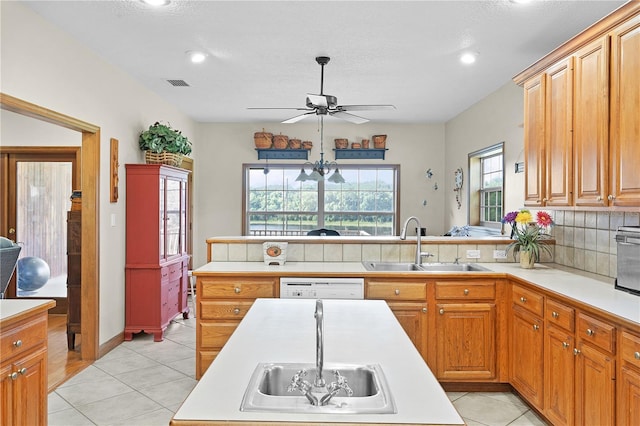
(528, 238)
(162, 138)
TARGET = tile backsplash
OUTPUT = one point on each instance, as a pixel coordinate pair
(586, 240)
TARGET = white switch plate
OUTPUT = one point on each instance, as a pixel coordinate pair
(473, 254)
(113, 220)
(499, 254)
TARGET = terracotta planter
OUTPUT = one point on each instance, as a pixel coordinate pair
(527, 259)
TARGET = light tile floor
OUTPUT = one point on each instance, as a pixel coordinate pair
(143, 382)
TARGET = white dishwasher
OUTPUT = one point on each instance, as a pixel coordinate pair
(321, 288)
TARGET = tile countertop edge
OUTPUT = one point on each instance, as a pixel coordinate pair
(593, 290)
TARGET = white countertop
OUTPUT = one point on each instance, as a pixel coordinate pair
(13, 307)
(356, 331)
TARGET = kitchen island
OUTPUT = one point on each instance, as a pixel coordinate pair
(283, 331)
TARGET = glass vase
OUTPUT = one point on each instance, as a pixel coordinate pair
(527, 259)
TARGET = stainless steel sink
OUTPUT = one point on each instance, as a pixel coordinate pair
(267, 390)
(428, 267)
(391, 266)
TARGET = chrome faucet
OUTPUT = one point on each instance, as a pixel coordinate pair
(403, 236)
(319, 381)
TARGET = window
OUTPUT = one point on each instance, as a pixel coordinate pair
(486, 171)
(276, 204)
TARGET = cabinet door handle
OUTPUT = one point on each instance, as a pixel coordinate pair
(599, 198)
(565, 345)
(611, 197)
(13, 375)
(22, 371)
(236, 311)
(466, 291)
(536, 327)
(545, 199)
(576, 351)
(523, 299)
(236, 290)
(441, 311)
(590, 332)
(424, 311)
(17, 343)
(636, 355)
(555, 315)
(397, 292)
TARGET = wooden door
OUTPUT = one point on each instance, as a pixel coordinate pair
(534, 126)
(527, 340)
(595, 386)
(624, 146)
(559, 376)
(558, 134)
(591, 124)
(413, 319)
(466, 341)
(629, 397)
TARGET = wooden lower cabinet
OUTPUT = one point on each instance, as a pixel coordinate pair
(559, 376)
(628, 395)
(222, 303)
(595, 386)
(527, 356)
(412, 317)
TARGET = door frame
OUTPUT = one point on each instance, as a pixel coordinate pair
(90, 178)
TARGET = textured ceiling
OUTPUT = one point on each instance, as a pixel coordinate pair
(261, 53)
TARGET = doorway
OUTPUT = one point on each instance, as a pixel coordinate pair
(89, 177)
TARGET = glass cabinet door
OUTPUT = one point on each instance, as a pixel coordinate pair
(163, 217)
(174, 220)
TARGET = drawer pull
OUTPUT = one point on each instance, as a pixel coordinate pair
(237, 290)
(576, 351)
(397, 292)
(424, 310)
(523, 299)
(636, 355)
(466, 291)
(536, 327)
(590, 332)
(565, 345)
(17, 343)
(22, 371)
(441, 311)
(555, 315)
(13, 375)
(236, 311)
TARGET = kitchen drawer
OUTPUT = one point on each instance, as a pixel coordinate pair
(23, 336)
(630, 348)
(247, 288)
(527, 299)
(560, 315)
(397, 290)
(465, 290)
(596, 332)
(206, 358)
(175, 271)
(215, 334)
(223, 309)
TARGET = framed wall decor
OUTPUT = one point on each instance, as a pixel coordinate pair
(113, 193)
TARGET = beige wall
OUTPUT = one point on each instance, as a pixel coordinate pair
(43, 65)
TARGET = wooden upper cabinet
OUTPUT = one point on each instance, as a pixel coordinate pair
(534, 126)
(558, 135)
(591, 124)
(624, 145)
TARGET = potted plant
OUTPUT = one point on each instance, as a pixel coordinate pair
(528, 235)
(164, 145)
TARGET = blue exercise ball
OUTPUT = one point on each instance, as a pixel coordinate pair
(33, 273)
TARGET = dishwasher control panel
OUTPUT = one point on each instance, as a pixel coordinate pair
(321, 288)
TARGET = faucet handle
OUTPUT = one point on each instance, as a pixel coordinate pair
(457, 261)
(298, 382)
(340, 383)
(425, 254)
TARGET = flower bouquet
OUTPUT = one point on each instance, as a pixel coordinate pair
(528, 234)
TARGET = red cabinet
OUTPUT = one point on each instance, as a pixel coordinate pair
(156, 258)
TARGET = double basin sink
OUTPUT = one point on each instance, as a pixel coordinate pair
(425, 267)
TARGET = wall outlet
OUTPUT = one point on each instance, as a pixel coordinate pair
(499, 254)
(473, 254)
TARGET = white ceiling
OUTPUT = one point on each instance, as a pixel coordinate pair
(261, 53)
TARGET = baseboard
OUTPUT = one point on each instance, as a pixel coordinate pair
(110, 344)
(476, 387)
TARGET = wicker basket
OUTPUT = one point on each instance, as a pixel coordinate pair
(280, 141)
(379, 141)
(263, 140)
(356, 145)
(168, 158)
(365, 143)
(307, 145)
(295, 143)
(341, 143)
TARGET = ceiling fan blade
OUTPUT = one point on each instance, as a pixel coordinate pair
(317, 100)
(364, 107)
(296, 109)
(297, 118)
(349, 117)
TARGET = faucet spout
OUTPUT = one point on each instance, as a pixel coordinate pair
(319, 381)
(403, 236)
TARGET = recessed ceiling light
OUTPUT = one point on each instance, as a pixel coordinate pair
(196, 57)
(468, 58)
(521, 1)
(156, 3)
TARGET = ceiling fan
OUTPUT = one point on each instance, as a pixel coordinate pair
(323, 104)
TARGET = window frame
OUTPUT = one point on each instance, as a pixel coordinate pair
(395, 168)
(476, 183)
